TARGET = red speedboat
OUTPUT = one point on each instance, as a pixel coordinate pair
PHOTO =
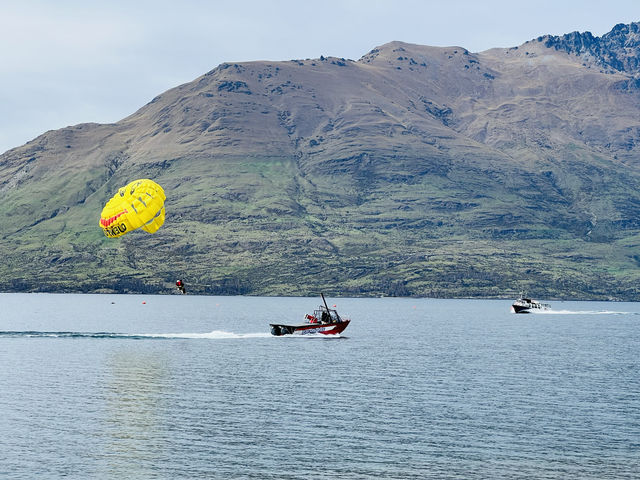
(324, 320)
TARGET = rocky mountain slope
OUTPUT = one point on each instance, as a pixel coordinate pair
(415, 170)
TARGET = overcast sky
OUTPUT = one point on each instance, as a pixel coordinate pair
(66, 62)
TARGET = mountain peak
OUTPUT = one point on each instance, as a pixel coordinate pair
(617, 50)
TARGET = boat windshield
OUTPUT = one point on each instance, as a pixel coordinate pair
(327, 316)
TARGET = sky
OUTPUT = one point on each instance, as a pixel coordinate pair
(66, 62)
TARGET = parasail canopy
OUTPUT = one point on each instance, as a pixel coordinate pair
(138, 205)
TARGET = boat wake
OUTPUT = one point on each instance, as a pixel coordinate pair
(581, 312)
(215, 335)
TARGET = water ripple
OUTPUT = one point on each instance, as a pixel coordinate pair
(459, 390)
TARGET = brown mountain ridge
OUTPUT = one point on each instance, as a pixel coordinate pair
(415, 170)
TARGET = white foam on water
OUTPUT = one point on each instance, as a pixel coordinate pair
(215, 335)
(580, 312)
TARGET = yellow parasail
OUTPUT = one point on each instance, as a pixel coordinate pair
(138, 205)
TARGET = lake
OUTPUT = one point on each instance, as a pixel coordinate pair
(182, 387)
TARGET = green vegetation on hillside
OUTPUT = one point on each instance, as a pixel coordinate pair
(261, 227)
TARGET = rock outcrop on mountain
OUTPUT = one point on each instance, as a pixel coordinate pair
(414, 170)
(618, 50)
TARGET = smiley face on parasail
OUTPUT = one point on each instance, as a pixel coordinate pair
(138, 205)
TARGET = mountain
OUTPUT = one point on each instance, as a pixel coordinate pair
(414, 170)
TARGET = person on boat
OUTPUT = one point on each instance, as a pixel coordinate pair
(325, 317)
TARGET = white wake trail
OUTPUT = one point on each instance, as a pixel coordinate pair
(581, 312)
(216, 334)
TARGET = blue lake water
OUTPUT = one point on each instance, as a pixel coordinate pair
(182, 387)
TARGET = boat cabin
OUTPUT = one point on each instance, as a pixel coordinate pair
(324, 315)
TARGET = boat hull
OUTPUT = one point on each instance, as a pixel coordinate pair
(279, 329)
(520, 309)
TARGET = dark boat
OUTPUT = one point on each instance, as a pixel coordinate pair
(528, 305)
(324, 320)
